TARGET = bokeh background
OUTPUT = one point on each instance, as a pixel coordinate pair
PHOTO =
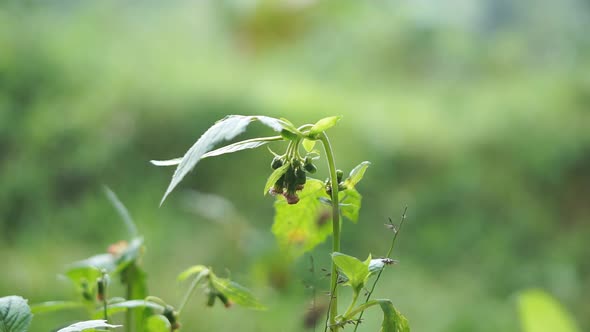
(475, 114)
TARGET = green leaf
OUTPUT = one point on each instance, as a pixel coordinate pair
(393, 321)
(302, 226)
(350, 204)
(324, 124)
(539, 312)
(355, 271)
(223, 130)
(87, 325)
(130, 255)
(236, 293)
(123, 212)
(158, 323)
(134, 304)
(191, 271)
(356, 175)
(235, 147)
(15, 314)
(275, 176)
(52, 306)
(308, 145)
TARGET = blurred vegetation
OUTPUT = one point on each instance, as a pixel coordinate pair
(475, 114)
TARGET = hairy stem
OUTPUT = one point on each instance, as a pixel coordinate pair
(335, 231)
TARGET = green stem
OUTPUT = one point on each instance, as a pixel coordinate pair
(129, 312)
(191, 289)
(335, 231)
(396, 232)
(355, 296)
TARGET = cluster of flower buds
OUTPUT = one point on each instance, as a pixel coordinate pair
(293, 179)
(341, 185)
(213, 294)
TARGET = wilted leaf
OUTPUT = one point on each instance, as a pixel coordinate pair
(539, 312)
(223, 130)
(302, 226)
(15, 314)
(236, 293)
(87, 325)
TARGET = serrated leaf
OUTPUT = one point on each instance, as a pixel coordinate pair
(223, 130)
(350, 204)
(355, 271)
(15, 314)
(275, 176)
(52, 306)
(157, 323)
(236, 293)
(539, 312)
(191, 271)
(308, 145)
(302, 226)
(356, 175)
(87, 325)
(393, 321)
(324, 124)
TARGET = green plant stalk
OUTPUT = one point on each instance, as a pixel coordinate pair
(335, 231)
(129, 313)
(191, 289)
(381, 271)
(355, 296)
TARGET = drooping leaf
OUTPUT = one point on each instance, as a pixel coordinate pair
(235, 147)
(52, 306)
(223, 130)
(355, 271)
(275, 176)
(302, 226)
(191, 271)
(236, 293)
(123, 212)
(350, 204)
(15, 314)
(324, 124)
(87, 325)
(539, 312)
(308, 145)
(356, 175)
(157, 323)
(393, 321)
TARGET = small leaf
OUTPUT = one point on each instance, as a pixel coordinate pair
(239, 146)
(158, 323)
(350, 204)
(324, 124)
(356, 175)
(86, 325)
(539, 312)
(275, 176)
(356, 271)
(52, 306)
(236, 293)
(393, 321)
(191, 271)
(15, 314)
(133, 304)
(308, 145)
(223, 130)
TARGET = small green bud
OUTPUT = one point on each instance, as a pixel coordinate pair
(211, 299)
(301, 178)
(339, 175)
(309, 166)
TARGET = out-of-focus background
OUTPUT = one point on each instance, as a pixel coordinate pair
(474, 114)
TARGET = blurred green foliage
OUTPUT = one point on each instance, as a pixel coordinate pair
(474, 114)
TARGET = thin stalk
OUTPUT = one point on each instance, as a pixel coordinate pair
(396, 232)
(191, 289)
(355, 296)
(335, 231)
(129, 312)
